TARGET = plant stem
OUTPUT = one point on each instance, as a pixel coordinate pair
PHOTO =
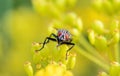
(92, 58)
(90, 48)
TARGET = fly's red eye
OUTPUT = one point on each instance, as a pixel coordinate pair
(66, 36)
(59, 33)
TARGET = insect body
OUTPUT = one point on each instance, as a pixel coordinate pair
(63, 37)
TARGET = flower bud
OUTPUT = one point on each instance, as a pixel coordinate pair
(63, 66)
(67, 73)
(71, 61)
(46, 8)
(116, 4)
(53, 69)
(114, 25)
(78, 24)
(101, 43)
(115, 69)
(103, 74)
(107, 6)
(28, 68)
(57, 24)
(75, 32)
(116, 37)
(39, 5)
(36, 57)
(41, 72)
(71, 2)
(70, 18)
(97, 4)
(62, 52)
(50, 70)
(52, 28)
(98, 27)
(38, 66)
(35, 46)
(91, 36)
(52, 10)
(60, 4)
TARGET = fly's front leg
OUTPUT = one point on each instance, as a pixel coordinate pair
(47, 41)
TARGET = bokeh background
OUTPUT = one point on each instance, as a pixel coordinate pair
(20, 25)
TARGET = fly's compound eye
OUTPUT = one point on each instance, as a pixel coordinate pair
(59, 33)
(66, 37)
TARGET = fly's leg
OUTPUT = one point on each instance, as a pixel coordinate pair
(68, 43)
(47, 39)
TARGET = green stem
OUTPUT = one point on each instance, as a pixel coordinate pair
(90, 48)
(92, 58)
